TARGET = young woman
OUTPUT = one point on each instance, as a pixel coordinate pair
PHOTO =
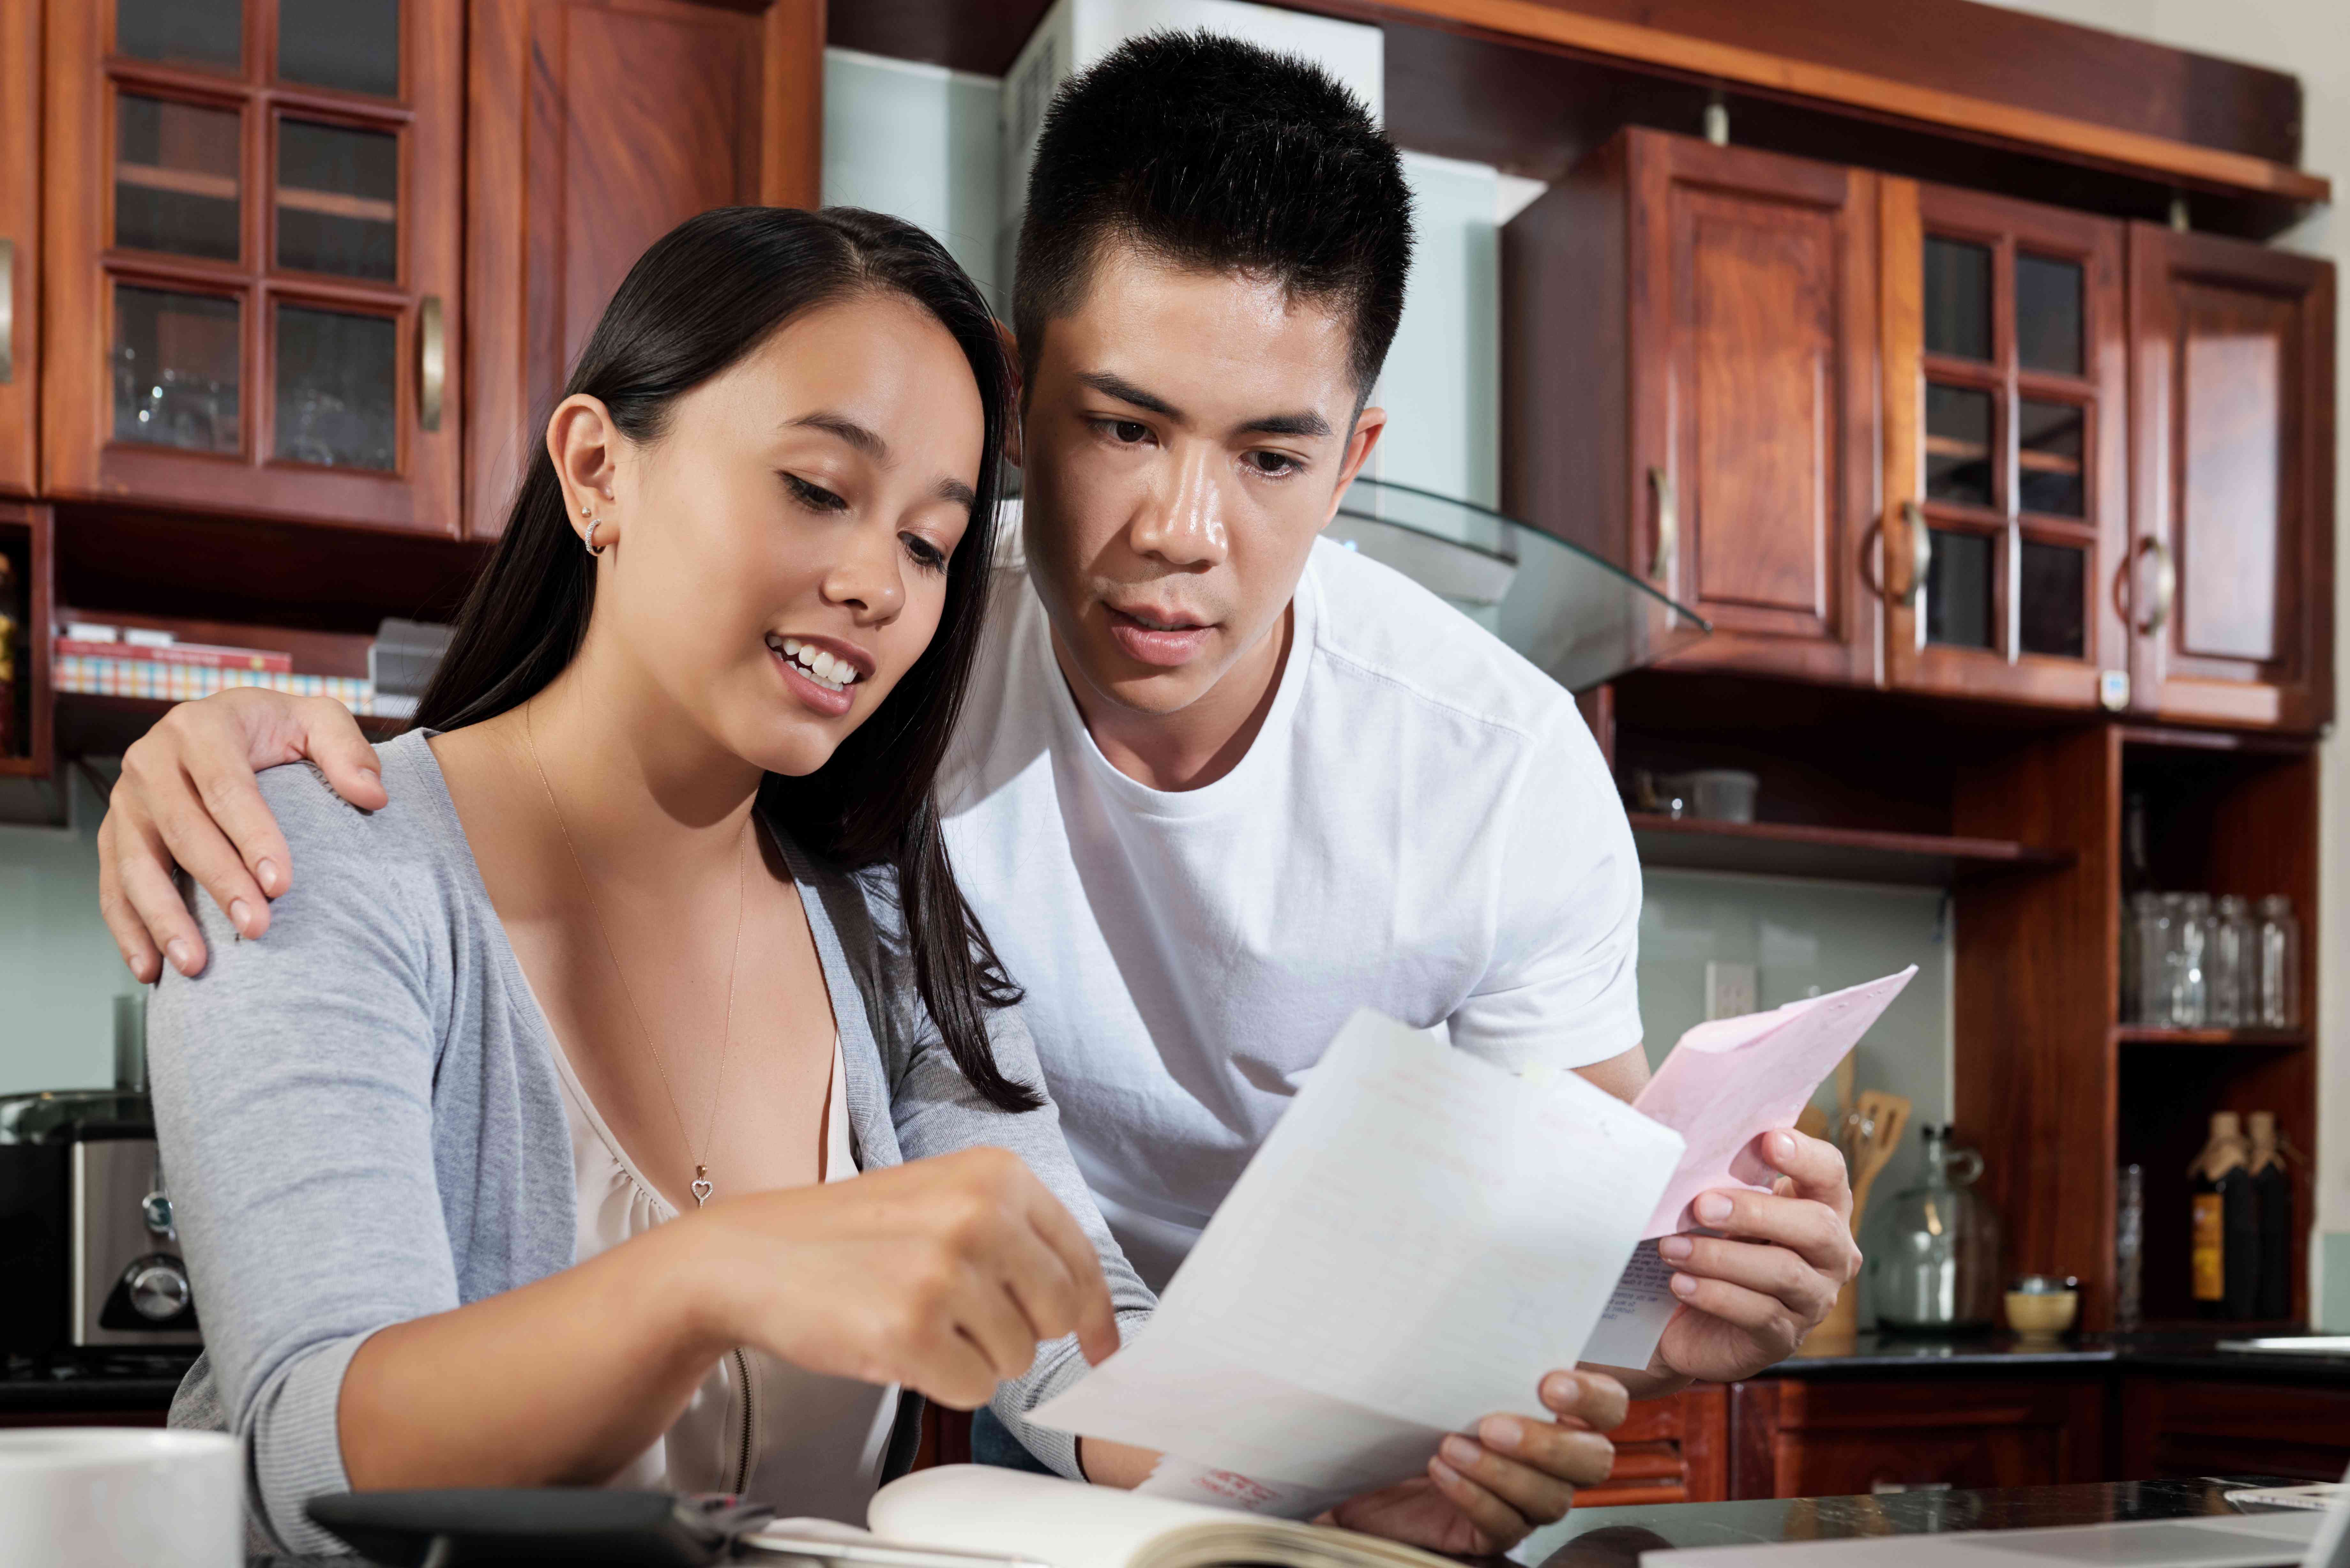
(518, 1155)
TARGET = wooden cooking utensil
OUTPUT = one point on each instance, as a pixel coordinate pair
(1813, 1123)
(1889, 1118)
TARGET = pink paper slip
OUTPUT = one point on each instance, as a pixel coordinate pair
(1730, 1080)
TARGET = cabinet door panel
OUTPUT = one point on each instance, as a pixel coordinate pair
(1751, 342)
(20, 243)
(599, 125)
(2006, 456)
(2232, 359)
(1760, 330)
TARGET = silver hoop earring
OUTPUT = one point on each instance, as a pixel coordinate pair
(593, 547)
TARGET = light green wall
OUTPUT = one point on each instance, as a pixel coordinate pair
(1441, 387)
(918, 142)
(1804, 936)
(58, 970)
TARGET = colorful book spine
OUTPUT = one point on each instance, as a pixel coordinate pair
(116, 676)
(209, 655)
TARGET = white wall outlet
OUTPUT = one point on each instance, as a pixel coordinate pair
(1731, 990)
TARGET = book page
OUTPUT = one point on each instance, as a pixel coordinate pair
(1422, 1237)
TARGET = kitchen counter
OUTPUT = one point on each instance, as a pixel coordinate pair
(1614, 1537)
(2192, 1351)
(33, 1388)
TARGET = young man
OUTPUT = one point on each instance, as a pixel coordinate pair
(1219, 784)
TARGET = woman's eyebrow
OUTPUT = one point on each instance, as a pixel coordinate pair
(863, 439)
(961, 494)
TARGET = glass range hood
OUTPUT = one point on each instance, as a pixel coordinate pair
(1577, 618)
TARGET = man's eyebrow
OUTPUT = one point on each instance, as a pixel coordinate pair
(1308, 424)
(961, 494)
(848, 429)
(1125, 391)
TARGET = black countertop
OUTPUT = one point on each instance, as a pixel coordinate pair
(1614, 1537)
(118, 1380)
(2189, 1352)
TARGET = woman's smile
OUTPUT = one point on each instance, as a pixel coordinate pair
(822, 673)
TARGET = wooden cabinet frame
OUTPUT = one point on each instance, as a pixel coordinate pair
(20, 233)
(81, 459)
(2293, 687)
(1909, 212)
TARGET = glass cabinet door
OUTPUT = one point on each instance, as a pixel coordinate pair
(2005, 375)
(271, 275)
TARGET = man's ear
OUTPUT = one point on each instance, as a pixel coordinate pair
(586, 446)
(1015, 448)
(1369, 425)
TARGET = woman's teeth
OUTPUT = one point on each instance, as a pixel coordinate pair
(832, 674)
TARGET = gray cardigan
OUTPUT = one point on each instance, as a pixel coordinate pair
(361, 1121)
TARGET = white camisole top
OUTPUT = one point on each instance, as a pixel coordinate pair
(803, 1444)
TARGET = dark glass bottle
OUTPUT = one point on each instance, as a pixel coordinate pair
(2273, 1210)
(2225, 1253)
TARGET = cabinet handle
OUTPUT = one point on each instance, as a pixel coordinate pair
(1921, 550)
(7, 311)
(431, 362)
(1669, 526)
(2166, 586)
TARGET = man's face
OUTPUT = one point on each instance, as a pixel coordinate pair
(1187, 435)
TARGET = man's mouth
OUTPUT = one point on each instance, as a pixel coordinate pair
(828, 670)
(1160, 637)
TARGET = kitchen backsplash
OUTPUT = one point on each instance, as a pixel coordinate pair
(1802, 937)
(58, 970)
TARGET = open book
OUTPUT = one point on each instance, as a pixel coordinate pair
(1012, 1515)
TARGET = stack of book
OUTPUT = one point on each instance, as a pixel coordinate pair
(106, 661)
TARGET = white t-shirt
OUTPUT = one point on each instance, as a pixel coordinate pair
(1423, 826)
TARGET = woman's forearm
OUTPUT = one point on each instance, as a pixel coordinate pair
(561, 1382)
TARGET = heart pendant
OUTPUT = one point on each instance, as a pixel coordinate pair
(700, 1190)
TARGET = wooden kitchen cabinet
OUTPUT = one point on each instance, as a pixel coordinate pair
(1670, 1450)
(2231, 594)
(251, 258)
(20, 245)
(1689, 382)
(2177, 1428)
(1804, 1438)
(2006, 448)
(598, 126)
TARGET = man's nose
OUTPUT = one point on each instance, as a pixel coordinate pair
(1182, 520)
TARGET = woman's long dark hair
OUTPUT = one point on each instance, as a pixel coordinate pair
(706, 293)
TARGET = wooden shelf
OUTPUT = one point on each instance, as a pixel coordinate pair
(2147, 1034)
(106, 726)
(1843, 853)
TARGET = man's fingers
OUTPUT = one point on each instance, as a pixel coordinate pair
(332, 739)
(1816, 1166)
(1499, 1526)
(1594, 1399)
(1096, 1321)
(140, 954)
(1764, 1316)
(1803, 1225)
(191, 837)
(1772, 1270)
(154, 898)
(1568, 1454)
(231, 798)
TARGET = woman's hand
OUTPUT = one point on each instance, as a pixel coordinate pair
(186, 798)
(943, 1275)
(1486, 1492)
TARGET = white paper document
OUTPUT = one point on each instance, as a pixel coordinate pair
(1419, 1240)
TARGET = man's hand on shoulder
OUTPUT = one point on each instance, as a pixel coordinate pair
(1750, 1294)
(187, 798)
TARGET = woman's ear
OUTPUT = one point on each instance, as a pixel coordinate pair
(586, 446)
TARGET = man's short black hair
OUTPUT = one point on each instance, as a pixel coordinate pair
(1211, 153)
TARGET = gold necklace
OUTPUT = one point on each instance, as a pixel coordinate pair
(703, 1186)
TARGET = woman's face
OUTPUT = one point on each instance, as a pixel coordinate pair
(782, 550)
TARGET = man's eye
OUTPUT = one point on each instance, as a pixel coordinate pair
(1127, 432)
(1272, 464)
(814, 496)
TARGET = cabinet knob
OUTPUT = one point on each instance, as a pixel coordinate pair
(431, 362)
(1669, 526)
(7, 311)
(2166, 586)
(159, 1289)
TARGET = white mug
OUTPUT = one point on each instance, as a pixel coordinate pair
(121, 1496)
